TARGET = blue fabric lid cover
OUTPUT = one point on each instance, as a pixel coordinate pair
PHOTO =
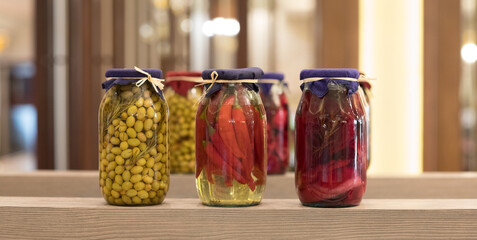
(265, 87)
(320, 87)
(232, 74)
(125, 76)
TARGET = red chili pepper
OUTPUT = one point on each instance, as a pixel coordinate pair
(227, 155)
(225, 127)
(200, 129)
(223, 159)
(279, 119)
(259, 146)
(243, 140)
(248, 111)
(213, 107)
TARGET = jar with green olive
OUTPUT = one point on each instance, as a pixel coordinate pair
(182, 95)
(133, 138)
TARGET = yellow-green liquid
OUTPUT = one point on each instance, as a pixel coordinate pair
(218, 194)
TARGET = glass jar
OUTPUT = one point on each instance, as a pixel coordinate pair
(231, 139)
(331, 146)
(365, 86)
(182, 95)
(133, 137)
(276, 107)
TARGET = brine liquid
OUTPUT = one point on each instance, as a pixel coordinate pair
(219, 194)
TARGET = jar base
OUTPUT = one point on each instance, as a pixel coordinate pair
(324, 205)
(230, 205)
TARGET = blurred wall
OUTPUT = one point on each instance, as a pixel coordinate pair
(391, 49)
(16, 31)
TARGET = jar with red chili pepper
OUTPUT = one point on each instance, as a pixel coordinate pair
(365, 86)
(231, 139)
(276, 106)
(331, 146)
(182, 94)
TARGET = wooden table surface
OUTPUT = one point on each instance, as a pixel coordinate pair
(49, 204)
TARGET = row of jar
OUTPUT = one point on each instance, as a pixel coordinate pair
(219, 124)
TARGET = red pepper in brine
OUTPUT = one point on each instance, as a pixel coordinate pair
(234, 163)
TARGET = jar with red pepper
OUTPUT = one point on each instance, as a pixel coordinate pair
(331, 146)
(182, 94)
(365, 86)
(231, 139)
(272, 92)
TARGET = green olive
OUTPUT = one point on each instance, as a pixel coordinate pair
(123, 136)
(136, 200)
(116, 122)
(141, 162)
(126, 175)
(123, 146)
(139, 186)
(126, 186)
(131, 193)
(115, 140)
(138, 126)
(142, 137)
(141, 113)
(132, 110)
(130, 121)
(126, 199)
(142, 194)
(119, 169)
(148, 124)
(142, 146)
(136, 170)
(131, 133)
(148, 103)
(126, 153)
(116, 150)
(134, 142)
(119, 160)
(136, 178)
(140, 102)
(150, 112)
(157, 117)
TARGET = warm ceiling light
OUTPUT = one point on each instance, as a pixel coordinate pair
(221, 26)
(469, 53)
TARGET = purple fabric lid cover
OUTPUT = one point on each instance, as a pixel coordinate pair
(320, 88)
(265, 87)
(118, 77)
(232, 74)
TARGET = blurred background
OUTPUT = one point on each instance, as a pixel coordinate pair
(53, 55)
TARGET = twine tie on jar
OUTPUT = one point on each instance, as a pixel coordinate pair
(266, 80)
(361, 78)
(184, 78)
(313, 79)
(369, 80)
(156, 82)
(214, 79)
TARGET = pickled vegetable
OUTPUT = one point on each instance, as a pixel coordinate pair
(134, 164)
(183, 109)
(276, 107)
(366, 87)
(230, 147)
(331, 144)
